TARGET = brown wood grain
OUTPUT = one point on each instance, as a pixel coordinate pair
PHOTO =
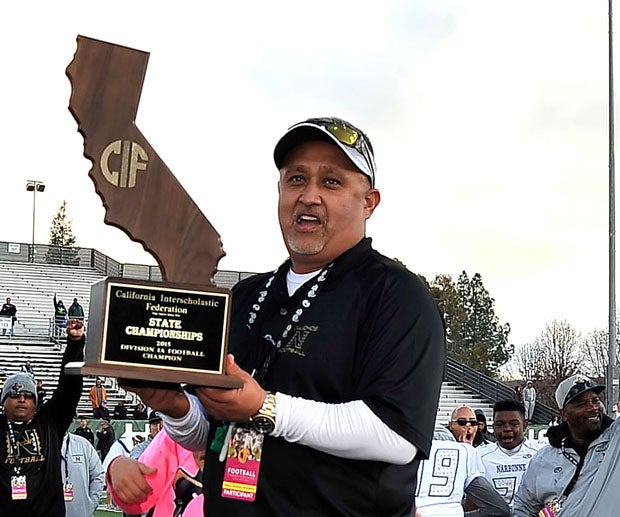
(106, 82)
(149, 205)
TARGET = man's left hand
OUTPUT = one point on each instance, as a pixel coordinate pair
(233, 405)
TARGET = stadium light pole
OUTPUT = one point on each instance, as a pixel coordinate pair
(612, 377)
(34, 186)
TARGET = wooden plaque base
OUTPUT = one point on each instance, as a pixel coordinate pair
(152, 374)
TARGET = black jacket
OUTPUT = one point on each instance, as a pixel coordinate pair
(38, 448)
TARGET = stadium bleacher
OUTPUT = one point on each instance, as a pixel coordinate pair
(31, 287)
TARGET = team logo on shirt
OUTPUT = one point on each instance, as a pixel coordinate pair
(517, 467)
(28, 448)
(296, 344)
(78, 458)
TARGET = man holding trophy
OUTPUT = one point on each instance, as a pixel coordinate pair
(340, 352)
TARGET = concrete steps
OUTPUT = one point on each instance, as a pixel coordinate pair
(453, 396)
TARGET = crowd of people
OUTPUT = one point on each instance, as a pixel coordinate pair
(340, 353)
(470, 468)
(62, 314)
(571, 471)
(8, 315)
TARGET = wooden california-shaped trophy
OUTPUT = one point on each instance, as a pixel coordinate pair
(174, 331)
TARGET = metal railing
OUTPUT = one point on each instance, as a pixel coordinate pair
(86, 258)
(93, 259)
(490, 389)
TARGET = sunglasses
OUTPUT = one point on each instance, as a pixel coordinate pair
(18, 394)
(579, 387)
(349, 136)
(463, 422)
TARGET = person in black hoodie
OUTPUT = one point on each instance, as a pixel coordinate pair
(30, 460)
(483, 436)
(60, 312)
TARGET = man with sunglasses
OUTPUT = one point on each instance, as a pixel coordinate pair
(452, 472)
(341, 352)
(463, 424)
(562, 476)
(31, 439)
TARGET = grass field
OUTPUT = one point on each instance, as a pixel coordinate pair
(106, 513)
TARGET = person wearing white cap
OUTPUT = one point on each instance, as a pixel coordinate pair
(340, 350)
(564, 470)
(529, 400)
(602, 498)
(31, 438)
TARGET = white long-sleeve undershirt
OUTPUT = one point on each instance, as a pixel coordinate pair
(348, 430)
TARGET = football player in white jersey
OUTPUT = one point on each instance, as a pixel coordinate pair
(453, 470)
(506, 461)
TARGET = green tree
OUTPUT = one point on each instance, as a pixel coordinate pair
(62, 241)
(474, 333)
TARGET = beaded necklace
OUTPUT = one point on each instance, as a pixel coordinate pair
(303, 305)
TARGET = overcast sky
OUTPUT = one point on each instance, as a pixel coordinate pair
(488, 119)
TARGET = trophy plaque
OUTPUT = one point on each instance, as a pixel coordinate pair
(174, 331)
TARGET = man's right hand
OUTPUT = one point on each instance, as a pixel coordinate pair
(127, 478)
(466, 435)
(169, 401)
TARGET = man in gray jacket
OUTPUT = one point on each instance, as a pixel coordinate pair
(82, 476)
(562, 474)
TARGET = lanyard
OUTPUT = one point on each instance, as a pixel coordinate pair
(14, 449)
(579, 464)
(65, 458)
(302, 306)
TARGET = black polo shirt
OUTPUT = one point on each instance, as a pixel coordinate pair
(373, 333)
